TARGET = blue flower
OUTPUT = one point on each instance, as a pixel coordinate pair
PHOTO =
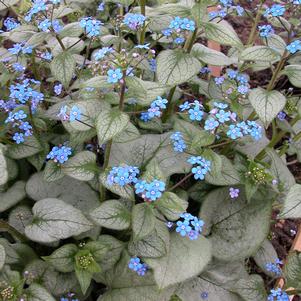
(140, 187)
(185, 106)
(205, 70)
(220, 105)
(91, 26)
(276, 10)
(242, 78)
(294, 46)
(187, 24)
(37, 6)
(255, 130)
(145, 117)
(142, 269)
(167, 32)
(274, 267)
(101, 53)
(169, 224)
(101, 6)
(18, 48)
(281, 116)
(211, 124)
(153, 65)
(178, 142)
(204, 295)
(11, 23)
(232, 73)
(242, 89)
(114, 75)
(134, 21)
(159, 102)
(18, 138)
(240, 10)
(154, 112)
(60, 154)
(46, 56)
(75, 113)
(266, 31)
(198, 224)
(144, 46)
(219, 80)
(18, 67)
(44, 25)
(193, 235)
(137, 266)
(179, 40)
(175, 23)
(278, 295)
(187, 216)
(234, 132)
(183, 227)
(199, 172)
(154, 190)
(196, 113)
(222, 116)
(123, 175)
(58, 89)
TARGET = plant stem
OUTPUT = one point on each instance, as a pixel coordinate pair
(142, 7)
(276, 139)
(255, 24)
(5, 227)
(60, 42)
(284, 149)
(181, 181)
(122, 91)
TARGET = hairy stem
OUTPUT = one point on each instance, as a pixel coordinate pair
(5, 227)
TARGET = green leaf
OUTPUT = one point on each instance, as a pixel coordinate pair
(141, 151)
(293, 72)
(4, 4)
(2, 257)
(185, 259)
(62, 68)
(210, 56)
(153, 172)
(71, 30)
(203, 138)
(266, 253)
(76, 193)
(143, 91)
(238, 228)
(223, 176)
(154, 245)
(29, 147)
(38, 293)
(191, 290)
(97, 82)
(130, 133)
(12, 196)
(292, 270)
(84, 278)
(143, 221)
(251, 288)
(267, 104)
(82, 166)
(279, 169)
(112, 214)
(54, 220)
(109, 124)
(98, 249)
(171, 206)
(62, 259)
(292, 203)
(53, 171)
(126, 191)
(260, 54)
(175, 67)
(223, 33)
(3, 168)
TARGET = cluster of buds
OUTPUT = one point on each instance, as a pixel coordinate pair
(257, 174)
(85, 260)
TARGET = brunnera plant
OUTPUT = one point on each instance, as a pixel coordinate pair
(127, 170)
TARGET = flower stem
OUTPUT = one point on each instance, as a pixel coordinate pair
(5, 227)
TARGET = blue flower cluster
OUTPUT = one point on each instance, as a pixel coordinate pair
(10, 23)
(19, 48)
(46, 25)
(123, 175)
(155, 109)
(60, 154)
(137, 266)
(134, 21)
(150, 191)
(101, 53)
(114, 75)
(201, 166)
(245, 128)
(265, 31)
(74, 114)
(224, 8)
(278, 295)
(240, 79)
(17, 120)
(191, 226)
(195, 110)
(274, 267)
(47, 56)
(178, 142)
(294, 46)
(276, 10)
(37, 6)
(178, 28)
(91, 26)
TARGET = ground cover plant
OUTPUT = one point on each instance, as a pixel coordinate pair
(127, 170)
